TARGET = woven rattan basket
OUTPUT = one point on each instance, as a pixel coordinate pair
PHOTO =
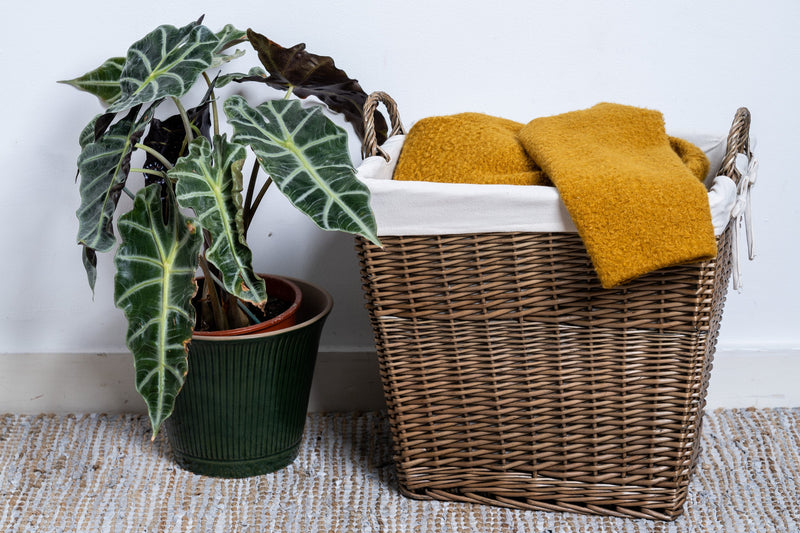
(512, 378)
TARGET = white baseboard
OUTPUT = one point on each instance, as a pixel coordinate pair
(344, 381)
(755, 378)
(75, 383)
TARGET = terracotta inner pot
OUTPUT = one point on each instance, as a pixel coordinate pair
(277, 287)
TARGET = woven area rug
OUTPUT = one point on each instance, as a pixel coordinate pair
(101, 473)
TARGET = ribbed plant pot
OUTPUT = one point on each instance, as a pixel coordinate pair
(242, 409)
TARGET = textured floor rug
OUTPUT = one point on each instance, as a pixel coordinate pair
(101, 473)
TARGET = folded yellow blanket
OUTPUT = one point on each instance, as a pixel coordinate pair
(635, 195)
(467, 148)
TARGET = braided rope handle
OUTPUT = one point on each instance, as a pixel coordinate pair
(370, 146)
(738, 143)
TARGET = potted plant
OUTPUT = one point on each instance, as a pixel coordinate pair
(192, 214)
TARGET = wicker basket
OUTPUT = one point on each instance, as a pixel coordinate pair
(512, 378)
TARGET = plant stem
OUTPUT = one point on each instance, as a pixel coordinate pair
(233, 43)
(248, 200)
(248, 312)
(155, 153)
(128, 192)
(185, 118)
(213, 105)
(150, 172)
(256, 204)
(240, 303)
(219, 316)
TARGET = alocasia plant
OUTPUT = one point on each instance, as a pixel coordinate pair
(190, 167)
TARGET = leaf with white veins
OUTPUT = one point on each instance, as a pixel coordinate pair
(308, 159)
(103, 82)
(209, 181)
(154, 284)
(104, 166)
(166, 62)
(254, 74)
(229, 36)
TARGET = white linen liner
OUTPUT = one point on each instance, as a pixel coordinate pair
(429, 208)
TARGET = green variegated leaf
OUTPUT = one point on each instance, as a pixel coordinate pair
(209, 181)
(221, 59)
(87, 135)
(166, 62)
(103, 82)
(95, 128)
(229, 36)
(255, 74)
(307, 157)
(104, 166)
(154, 284)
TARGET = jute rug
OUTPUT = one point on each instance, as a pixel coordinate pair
(100, 473)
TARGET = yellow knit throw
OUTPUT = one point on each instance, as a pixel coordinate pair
(637, 206)
(635, 195)
(467, 148)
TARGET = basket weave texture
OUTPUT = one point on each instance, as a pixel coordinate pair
(513, 378)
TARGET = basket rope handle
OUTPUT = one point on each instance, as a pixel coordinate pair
(370, 146)
(741, 166)
(738, 143)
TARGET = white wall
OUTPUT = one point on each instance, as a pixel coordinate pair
(695, 61)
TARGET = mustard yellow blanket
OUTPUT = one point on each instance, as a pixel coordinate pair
(467, 148)
(635, 195)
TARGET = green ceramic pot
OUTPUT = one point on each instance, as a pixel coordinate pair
(243, 407)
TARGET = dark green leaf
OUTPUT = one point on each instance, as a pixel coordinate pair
(307, 157)
(168, 136)
(209, 181)
(104, 166)
(154, 284)
(166, 62)
(307, 74)
(103, 82)
(89, 257)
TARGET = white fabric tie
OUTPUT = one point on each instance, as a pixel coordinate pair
(748, 169)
